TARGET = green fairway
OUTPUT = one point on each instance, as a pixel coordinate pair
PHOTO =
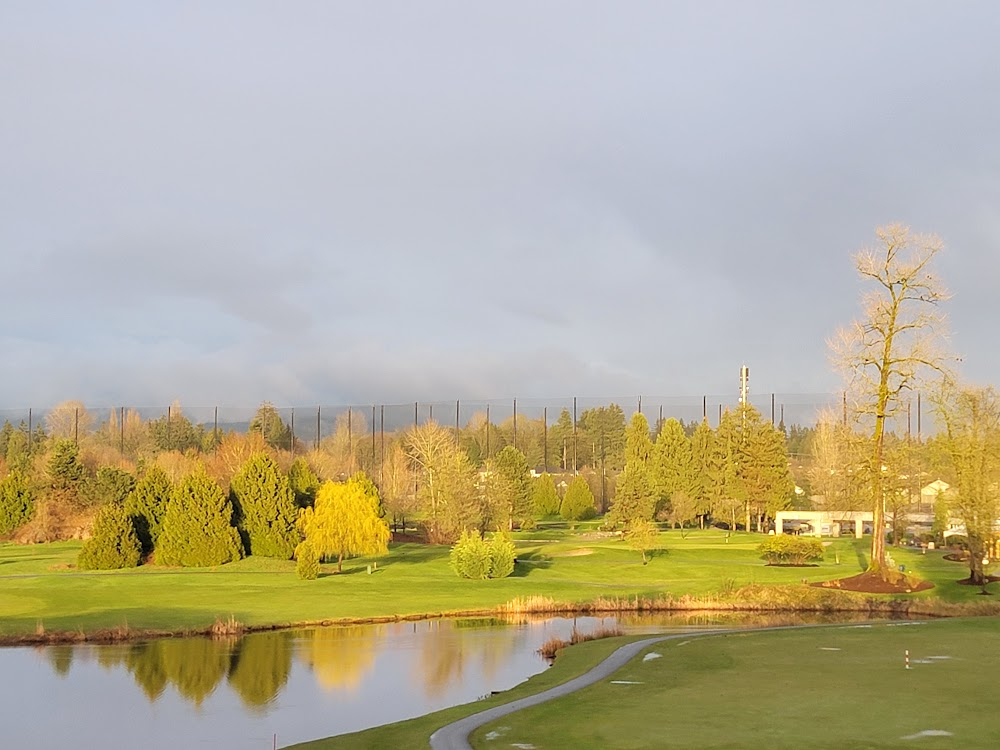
(828, 687)
(42, 590)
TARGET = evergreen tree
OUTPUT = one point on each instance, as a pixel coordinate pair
(113, 542)
(198, 526)
(306, 561)
(513, 485)
(110, 485)
(17, 502)
(175, 432)
(268, 422)
(303, 482)
(703, 469)
(578, 503)
(634, 500)
(545, 497)
(560, 442)
(264, 506)
(672, 466)
(147, 505)
(65, 469)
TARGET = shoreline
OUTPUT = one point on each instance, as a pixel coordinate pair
(849, 604)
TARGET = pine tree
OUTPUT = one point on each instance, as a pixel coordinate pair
(265, 510)
(17, 501)
(672, 466)
(634, 500)
(303, 482)
(147, 505)
(113, 543)
(578, 503)
(198, 527)
(513, 485)
(703, 468)
(545, 497)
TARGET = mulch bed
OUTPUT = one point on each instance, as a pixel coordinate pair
(872, 583)
(968, 581)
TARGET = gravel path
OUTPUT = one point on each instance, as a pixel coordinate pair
(455, 736)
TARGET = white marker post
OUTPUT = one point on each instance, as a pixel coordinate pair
(907, 653)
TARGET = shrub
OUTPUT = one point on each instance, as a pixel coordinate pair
(502, 555)
(784, 549)
(113, 543)
(474, 557)
(306, 562)
(470, 556)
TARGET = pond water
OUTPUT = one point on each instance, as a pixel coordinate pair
(285, 686)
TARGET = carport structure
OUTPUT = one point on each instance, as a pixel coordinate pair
(834, 521)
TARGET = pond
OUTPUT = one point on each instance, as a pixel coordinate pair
(280, 687)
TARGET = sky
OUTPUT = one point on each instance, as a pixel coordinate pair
(381, 202)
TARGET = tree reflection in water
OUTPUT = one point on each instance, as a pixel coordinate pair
(340, 657)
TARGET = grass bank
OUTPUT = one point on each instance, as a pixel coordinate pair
(806, 688)
(558, 569)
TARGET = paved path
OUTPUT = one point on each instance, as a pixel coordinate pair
(455, 736)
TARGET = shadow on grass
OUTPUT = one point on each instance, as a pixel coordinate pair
(527, 563)
(862, 560)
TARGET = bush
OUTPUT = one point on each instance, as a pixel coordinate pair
(17, 501)
(306, 562)
(474, 557)
(113, 543)
(502, 555)
(784, 549)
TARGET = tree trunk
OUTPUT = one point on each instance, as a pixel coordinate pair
(340, 561)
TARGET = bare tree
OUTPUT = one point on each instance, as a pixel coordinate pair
(884, 352)
(70, 420)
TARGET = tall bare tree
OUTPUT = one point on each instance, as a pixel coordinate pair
(884, 352)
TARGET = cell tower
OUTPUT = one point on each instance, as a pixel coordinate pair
(744, 385)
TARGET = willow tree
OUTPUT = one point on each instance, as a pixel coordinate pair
(345, 521)
(884, 353)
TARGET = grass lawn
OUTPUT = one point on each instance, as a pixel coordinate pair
(40, 587)
(829, 687)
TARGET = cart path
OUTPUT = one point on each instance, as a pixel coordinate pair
(455, 736)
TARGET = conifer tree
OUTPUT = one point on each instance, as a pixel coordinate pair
(113, 543)
(264, 506)
(303, 482)
(672, 466)
(198, 527)
(703, 468)
(578, 503)
(17, 501)
(147, 505)
(545, 497)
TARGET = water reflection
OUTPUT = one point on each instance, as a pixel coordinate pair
(240, 692)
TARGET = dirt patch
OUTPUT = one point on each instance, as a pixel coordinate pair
(400, 536)
(872, 583)
(957, 556)
(577, 552)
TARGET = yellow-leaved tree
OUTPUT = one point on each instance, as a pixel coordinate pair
(346, 520)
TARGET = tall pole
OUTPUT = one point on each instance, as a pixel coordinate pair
(640, 404)
(381, 462)
(416, 417)
(169, 441)
(319, 409)
(918, 416)
(29, 431)
(457, 429)
(845, 408)
(545, 439)
(574, 436)
(291, 438)
(704, 408)
(76, 426)
(215, 431)
(772, 410)
(487, 431)
(350, 436)
(374, 455)
(121, 432)
(604, 476)
(515, 423)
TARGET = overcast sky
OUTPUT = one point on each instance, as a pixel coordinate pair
(358, 202)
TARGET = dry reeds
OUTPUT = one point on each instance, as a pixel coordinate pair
(226, 628)
(552, 645)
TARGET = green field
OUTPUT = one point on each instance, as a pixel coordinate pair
(41, 590)
(824, 688)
